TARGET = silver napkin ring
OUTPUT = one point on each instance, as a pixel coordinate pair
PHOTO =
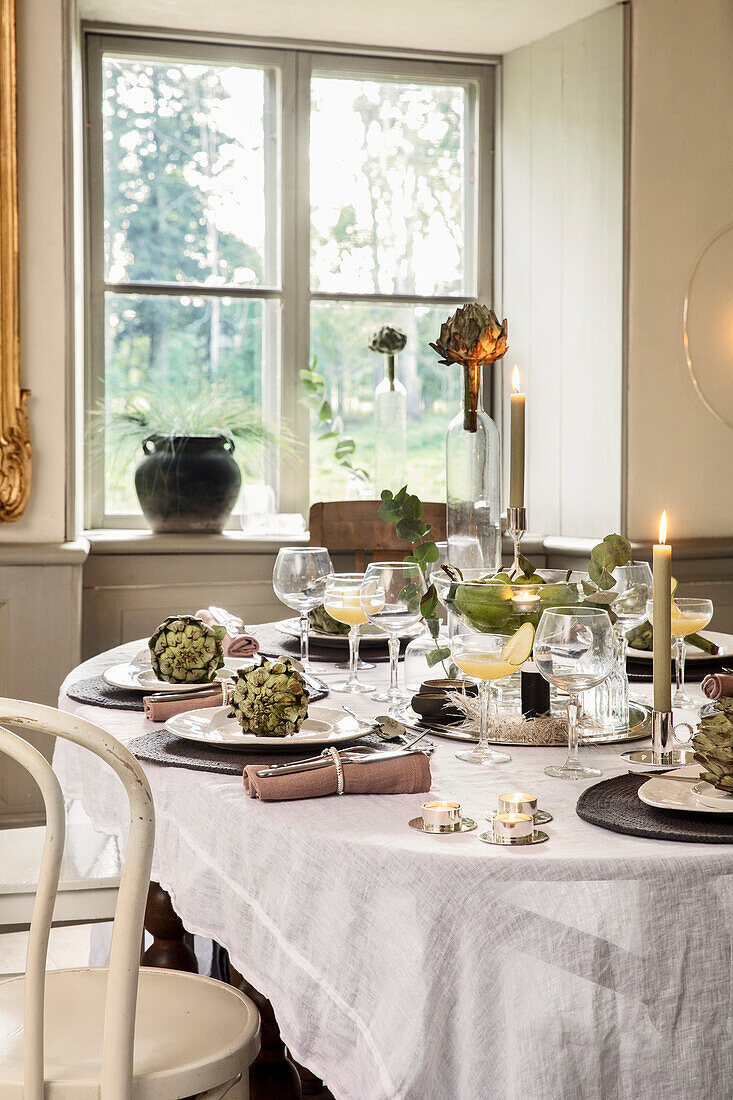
(336, 757)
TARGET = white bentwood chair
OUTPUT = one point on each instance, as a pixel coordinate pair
(122, 1032)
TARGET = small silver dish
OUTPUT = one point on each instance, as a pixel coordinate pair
(465, 825)
(538, 837)
(648, 761)
(541, 817)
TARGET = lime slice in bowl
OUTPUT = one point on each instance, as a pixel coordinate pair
(519, 647)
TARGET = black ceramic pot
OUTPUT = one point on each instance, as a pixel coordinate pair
(187, 483)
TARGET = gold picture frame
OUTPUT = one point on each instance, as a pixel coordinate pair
(15, 447)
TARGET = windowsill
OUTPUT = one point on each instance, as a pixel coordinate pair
(127, 541)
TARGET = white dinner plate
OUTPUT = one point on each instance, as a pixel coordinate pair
(132, 677)
(369, 634)
(723, 641)
(699, 797)
(322, 727)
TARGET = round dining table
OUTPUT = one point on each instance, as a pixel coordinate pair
(402, 965)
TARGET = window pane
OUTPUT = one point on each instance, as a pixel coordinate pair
(340, 334)
(192, 355)
(189, 156)
(388, 183)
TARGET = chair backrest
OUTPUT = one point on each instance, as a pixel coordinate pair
(353, 527)
(124, 966)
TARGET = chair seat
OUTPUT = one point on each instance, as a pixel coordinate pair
(191, 1033)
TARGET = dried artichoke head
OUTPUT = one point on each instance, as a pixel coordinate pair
(473, 335)
(388, 340)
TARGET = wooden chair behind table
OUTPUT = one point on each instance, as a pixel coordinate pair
(353, 527)
(126, 1030)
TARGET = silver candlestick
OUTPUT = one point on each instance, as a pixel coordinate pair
(517, 526)
(663, 756)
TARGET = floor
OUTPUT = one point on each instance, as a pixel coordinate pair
(67, 947)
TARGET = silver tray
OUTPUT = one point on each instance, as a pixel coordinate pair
(638, 729)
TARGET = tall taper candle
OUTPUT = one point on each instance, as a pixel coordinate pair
(516, 467)
(662, 594)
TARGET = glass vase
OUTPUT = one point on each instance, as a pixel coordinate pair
(428, 658)
(473, 482)
(390, 431)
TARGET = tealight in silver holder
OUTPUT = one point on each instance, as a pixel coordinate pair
(664, 754)
(517, 527)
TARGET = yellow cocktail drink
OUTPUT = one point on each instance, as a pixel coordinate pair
(484, 666)
(687, 622)
(345, 607)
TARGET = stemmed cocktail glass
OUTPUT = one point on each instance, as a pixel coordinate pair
(390, 597)
(574, 650)
(343, 603)
(483, 658)
(689, 615)
(299, 579)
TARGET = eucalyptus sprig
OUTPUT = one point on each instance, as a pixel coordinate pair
(313, 396)
(405, 510)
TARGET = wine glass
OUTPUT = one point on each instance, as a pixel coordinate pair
(299, 579)
(390, 598)
(574, 649)
(343, 603)
(632, 592)
(480, 657)
(688, 616)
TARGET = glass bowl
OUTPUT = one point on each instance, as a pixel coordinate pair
(491, 607)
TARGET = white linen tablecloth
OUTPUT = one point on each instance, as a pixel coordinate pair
(421, 967)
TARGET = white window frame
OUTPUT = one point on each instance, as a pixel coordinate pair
(290, 472)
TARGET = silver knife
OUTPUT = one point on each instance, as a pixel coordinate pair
(346, 754)
(327, 762)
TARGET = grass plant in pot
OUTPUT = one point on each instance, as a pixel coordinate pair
(196, 447)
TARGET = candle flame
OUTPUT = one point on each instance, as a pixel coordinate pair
(515, 379)
(663, 529)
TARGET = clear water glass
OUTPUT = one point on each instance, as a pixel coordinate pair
(390, 596)
(609, 703)
(342, 601)
(299, 580)
(574, 650)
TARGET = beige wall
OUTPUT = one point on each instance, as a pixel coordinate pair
(42, 272)
(562, 269)
(681, 192)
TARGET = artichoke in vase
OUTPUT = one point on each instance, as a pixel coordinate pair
(320, 621)
(270, 699)
(713, 745)
(186, 650)
(388, 340)
(472, 335)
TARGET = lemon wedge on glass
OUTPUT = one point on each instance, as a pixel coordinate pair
(519, 647)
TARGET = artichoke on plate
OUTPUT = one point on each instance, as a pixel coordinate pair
(642, 637)
(270, 699)
(713, 745)
(186, 650)
(320, 621)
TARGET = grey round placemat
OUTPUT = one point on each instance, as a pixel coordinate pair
(615, 804)
(161, 747)
(98, 693)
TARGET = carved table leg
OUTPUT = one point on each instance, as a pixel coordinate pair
(272, 1076)
(171, 947)
(311, 1085)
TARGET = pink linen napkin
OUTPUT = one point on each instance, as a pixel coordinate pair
(160, 710)
(400, 775)
(717, 684)
(239, 647)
